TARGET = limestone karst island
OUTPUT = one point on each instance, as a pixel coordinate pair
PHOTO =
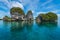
(17, 14)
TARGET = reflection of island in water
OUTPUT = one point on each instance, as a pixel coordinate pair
(20, 25)
(47, 24)
(22, 30)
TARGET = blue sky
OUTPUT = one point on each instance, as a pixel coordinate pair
(37, 6)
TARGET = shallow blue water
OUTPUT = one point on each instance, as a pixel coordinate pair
(29, 30)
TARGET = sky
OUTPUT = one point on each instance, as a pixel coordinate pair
(37, 6)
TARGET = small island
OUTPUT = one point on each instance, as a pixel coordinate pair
(47, 17)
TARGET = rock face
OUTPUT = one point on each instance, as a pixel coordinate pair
(6, 18)
(18, 14)
(39, 19)
(29, 15)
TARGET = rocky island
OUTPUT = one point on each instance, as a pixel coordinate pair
(17, 14)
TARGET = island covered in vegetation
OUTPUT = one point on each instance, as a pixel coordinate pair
(47, 17)
(17, 14)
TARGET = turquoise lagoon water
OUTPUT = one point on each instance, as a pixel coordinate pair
(29, 30)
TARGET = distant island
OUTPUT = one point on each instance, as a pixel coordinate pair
(17, 14)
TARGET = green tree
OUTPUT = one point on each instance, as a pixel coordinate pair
(17, 9)
(50, 16)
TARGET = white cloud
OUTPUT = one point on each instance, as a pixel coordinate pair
(49, 7)
(16, 4)
(41, 12)
(58, 15)
(11, 4)
(46, 2)
(6, 2)
(56, 11)
(25, 2)
(37, 13)
(1, 14)
(30, 4)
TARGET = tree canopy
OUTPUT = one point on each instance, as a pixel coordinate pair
(16, 9)
(50, 16)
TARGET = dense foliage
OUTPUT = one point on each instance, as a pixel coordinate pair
(50, 16)
(6, 18)
(16, 9)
